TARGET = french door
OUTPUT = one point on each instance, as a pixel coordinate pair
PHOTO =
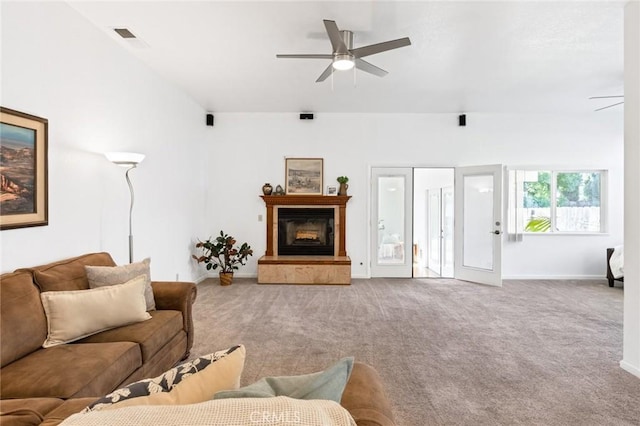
(478, 224)
(391, 222)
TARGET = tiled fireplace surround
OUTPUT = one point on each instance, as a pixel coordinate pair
(274, 268)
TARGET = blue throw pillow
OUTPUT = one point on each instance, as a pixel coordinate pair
(328, 384)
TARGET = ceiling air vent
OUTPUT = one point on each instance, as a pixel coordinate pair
(124, 33)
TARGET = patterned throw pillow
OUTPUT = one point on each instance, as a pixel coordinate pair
(189, 383)
(100, 276)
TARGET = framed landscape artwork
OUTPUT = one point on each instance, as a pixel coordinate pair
(303, 176)
(23, 170)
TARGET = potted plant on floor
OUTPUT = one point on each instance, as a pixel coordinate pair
(222, 252)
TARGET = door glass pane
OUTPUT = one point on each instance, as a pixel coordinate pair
(478, 222)
(447, 232)
(391, 216)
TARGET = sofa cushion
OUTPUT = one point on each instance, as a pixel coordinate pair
(71, 370)
(191, 382)
(68, 408)
(23, 325)
(152, 335)
(26, 411)
(72, 315)
(68, 274)
(100, 276)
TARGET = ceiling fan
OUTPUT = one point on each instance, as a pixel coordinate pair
(608, 97)
(345, 57)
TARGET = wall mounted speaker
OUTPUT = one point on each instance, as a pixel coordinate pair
(209, 119)
(306, 116)
(462, 120)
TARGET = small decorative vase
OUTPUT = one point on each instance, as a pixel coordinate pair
(343, 189)
(267, 189)
(226, 278)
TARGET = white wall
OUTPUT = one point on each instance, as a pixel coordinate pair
(631, 352)
(97, 98)
(247, 150)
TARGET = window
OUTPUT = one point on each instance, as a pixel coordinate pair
(549, 201)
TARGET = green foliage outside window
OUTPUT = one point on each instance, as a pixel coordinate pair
(572, 189)
(538, 194)
(578, 189)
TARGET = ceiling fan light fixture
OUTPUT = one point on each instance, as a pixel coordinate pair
(343, 62)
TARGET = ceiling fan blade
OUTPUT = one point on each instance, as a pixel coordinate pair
(336, 39)
(608, 106)
(326, 73)
(372, 49)
(305, 56)
(370, 68)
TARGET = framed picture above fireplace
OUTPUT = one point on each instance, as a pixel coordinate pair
(304, 176)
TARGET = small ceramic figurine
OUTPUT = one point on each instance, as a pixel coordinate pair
(279, 190)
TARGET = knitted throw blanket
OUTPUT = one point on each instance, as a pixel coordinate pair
(279, 410)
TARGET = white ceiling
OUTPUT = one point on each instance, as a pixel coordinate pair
(483, 57)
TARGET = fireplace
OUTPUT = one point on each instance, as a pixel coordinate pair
(306, 236)
(306, 231)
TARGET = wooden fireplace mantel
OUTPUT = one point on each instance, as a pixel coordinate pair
(291, 269)
(340, 201)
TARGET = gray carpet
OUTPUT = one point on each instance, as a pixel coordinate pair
(449, 352)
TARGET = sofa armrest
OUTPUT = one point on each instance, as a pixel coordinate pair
(177, 296)
(364, 397)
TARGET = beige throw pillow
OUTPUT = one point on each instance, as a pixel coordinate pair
(100, 276)
(73, 315)
(191, 382)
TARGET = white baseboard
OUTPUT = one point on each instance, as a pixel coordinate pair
(366, 277)
(554, 277)
(630, 368)
(201, 278)
(235, 275)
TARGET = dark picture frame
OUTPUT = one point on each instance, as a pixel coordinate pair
(304, 176)
(24, 191)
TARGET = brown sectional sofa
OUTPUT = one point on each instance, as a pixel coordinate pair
(44, 386)
(95, 365)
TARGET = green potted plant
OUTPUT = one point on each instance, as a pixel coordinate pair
(342, 180)
(222, 252)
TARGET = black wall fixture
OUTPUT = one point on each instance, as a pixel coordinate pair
(462, 120)
(306, 116)
(209, 119)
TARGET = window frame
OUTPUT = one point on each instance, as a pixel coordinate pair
(554, 171)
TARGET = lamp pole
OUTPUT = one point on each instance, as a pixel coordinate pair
(131, 161)
(126, 175)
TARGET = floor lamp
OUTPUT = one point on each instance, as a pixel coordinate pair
(131, 161)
